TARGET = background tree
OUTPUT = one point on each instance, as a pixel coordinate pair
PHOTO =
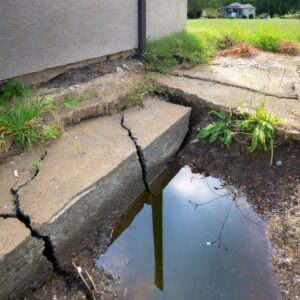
(279, 7)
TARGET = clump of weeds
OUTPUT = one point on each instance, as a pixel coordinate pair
(21, 116)
(259, 127)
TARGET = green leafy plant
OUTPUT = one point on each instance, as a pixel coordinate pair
(14, 89)
(71, 101)
(219, 130)
(37, 165)
(259, 126)
(50, 132)
(20, 119)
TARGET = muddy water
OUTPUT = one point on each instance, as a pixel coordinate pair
(197, 240)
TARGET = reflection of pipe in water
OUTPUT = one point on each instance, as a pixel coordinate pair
(157, 223)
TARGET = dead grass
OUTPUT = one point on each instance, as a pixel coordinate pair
(241, 50)
(289, 48)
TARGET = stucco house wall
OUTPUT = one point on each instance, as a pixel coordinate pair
(43, 34)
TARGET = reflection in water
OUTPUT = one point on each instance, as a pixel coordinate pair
(172, 247)
(157, 223)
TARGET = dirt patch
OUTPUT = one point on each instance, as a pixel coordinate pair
(241, 50)
(274, 192)
(289, 48)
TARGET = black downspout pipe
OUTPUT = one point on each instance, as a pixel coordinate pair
(142, 28)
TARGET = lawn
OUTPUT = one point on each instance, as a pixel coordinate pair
(264, 34)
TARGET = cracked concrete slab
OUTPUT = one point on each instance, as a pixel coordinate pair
(203, 94)
(160, 128)
(91, 173)
(22, 263)
(84, 154)
(14, 172)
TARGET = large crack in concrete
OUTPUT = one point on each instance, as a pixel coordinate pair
(233, 85)
(48, 251)
(8, 216)
(140, 154)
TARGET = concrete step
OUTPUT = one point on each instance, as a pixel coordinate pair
(91, 173)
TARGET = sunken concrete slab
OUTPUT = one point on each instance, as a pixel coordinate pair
(14, 172)
(202, 94)
(22, 263)
(89, 175)
(92, 166)
(160, 128)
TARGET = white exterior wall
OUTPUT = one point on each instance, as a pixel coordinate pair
(248, 11)
(39, 34)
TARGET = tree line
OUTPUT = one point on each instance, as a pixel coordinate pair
(272, 7)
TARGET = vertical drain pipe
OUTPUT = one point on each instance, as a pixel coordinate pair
(142, 28)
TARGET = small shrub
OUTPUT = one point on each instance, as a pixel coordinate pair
(173, 50)
(267, 42)
(260, 127)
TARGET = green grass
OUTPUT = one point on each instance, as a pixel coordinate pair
(266, 35)
(172, 50)
(20, 120)
(21, 116)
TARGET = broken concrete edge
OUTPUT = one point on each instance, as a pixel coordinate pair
(83, 211)
(48, 74)
(24, 267)
(180, 97)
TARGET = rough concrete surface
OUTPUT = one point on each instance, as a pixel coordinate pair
(160, 129)
(239, 84)
(22, 263)
(14, 172)
(104, 96)
(91, 173)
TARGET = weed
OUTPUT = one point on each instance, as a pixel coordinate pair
(221, 130)
(37, 166)
(70, 101)
(172, 51)
(50, 132)
(14, 89)
(19, 119)
(141, 90)
(260, 126)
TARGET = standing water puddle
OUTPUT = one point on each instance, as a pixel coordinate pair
(196, 240)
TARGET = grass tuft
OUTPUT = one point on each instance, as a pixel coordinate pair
(174, 50)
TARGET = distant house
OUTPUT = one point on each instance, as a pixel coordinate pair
(238, 11)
